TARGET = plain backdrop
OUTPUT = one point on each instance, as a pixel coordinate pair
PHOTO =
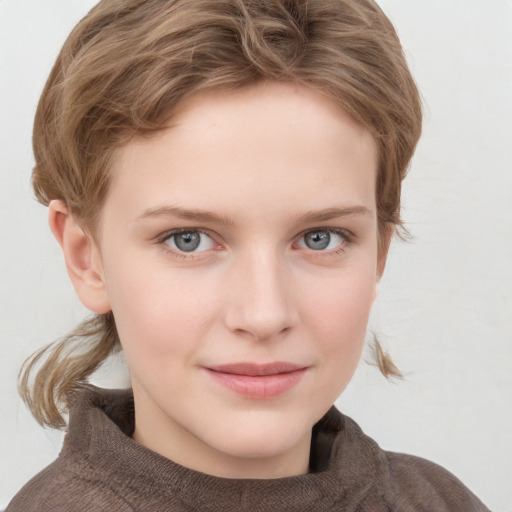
(445, 304)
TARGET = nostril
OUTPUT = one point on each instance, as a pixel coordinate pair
(261, 335)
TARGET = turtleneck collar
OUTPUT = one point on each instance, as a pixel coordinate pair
(348, 469)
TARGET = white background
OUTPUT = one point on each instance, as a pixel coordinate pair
(445, 304)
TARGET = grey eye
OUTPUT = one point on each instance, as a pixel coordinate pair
(317, 240)
(322, 239)
(187, 241)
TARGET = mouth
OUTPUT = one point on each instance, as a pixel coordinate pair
(258, 381)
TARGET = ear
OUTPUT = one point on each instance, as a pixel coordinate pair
(82, 256)
(383, 249)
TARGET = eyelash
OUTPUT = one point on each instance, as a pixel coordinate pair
(180, 254)
(346, 236)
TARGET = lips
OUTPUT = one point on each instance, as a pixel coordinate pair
(258, 381)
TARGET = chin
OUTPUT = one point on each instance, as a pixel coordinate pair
(261, 434)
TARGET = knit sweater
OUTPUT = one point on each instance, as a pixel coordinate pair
(101, 468)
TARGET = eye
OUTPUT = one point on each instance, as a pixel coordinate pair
(323, 239)
(190, 240)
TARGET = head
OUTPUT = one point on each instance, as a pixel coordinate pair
(139, 83)
(128, 66)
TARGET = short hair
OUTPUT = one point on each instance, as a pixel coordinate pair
(127, 67)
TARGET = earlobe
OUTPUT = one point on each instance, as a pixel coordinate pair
(83, 259)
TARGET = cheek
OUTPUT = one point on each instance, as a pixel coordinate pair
(338, 323)
(157, 314)
(338, 314)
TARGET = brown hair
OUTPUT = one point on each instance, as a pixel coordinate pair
(129, 64)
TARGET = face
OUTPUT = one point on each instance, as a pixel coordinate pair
(239, 254)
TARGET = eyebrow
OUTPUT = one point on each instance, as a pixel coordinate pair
(186, 214)
(333, 213)
(198, 215)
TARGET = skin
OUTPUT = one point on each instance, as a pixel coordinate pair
(261, 160)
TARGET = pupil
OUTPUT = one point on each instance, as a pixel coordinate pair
(187, 241)
(318, 240)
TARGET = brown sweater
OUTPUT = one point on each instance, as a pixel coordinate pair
(101, 468)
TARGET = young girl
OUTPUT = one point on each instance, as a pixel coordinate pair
(224, 180)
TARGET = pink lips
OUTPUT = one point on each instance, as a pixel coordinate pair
(258, 380)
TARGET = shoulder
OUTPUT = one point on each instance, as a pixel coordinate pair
(405, 483)
(419, 484)
(66, 486)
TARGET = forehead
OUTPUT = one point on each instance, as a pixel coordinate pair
(271, 140)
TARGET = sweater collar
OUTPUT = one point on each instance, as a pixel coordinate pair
(348, 467)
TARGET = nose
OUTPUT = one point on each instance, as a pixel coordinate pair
(261, 303)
